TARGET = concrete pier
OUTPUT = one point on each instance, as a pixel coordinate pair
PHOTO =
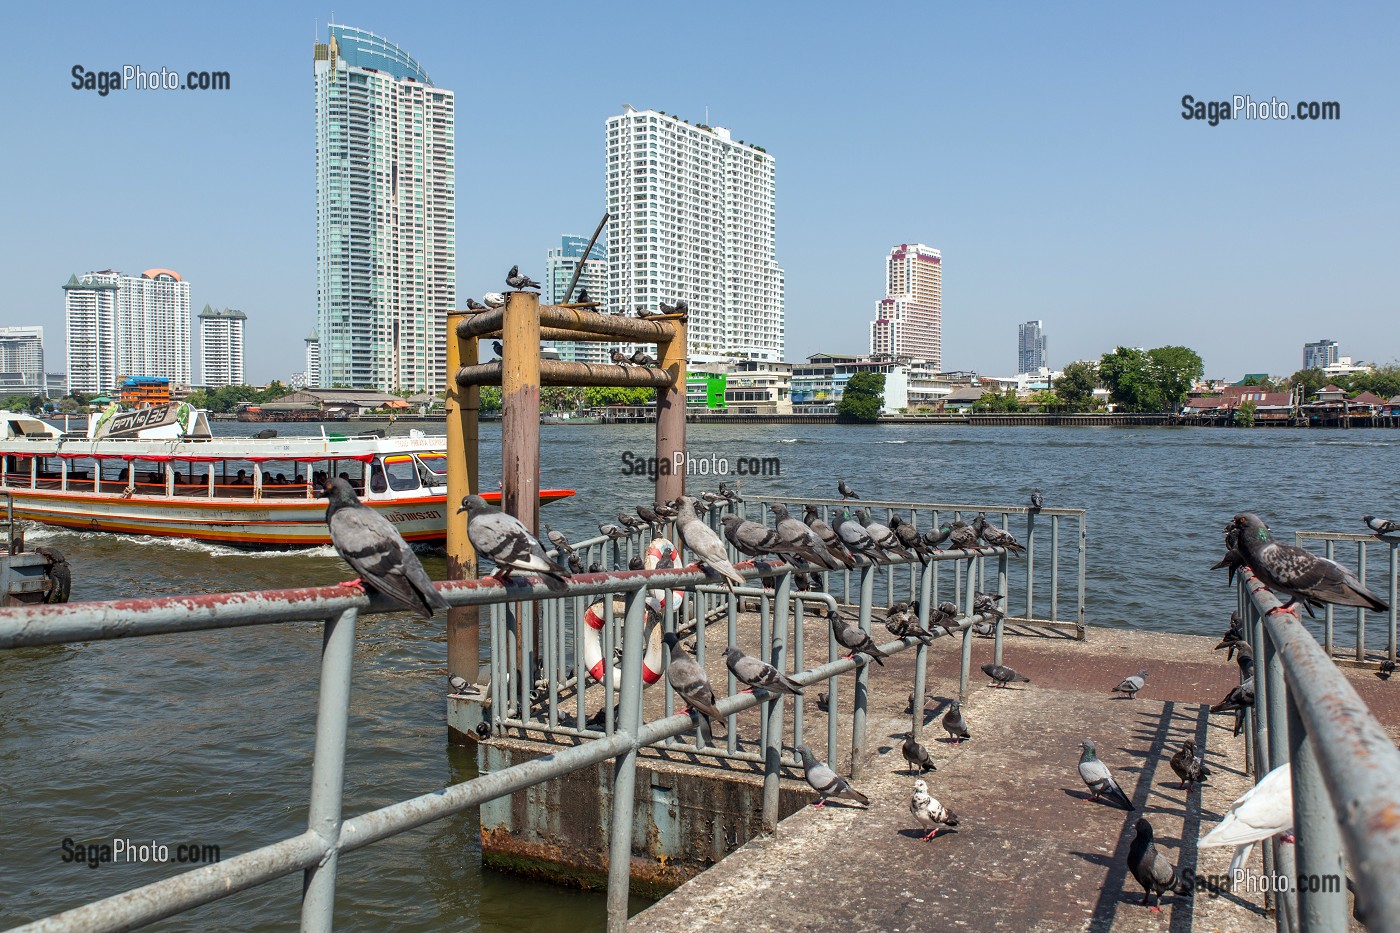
(1030, 853)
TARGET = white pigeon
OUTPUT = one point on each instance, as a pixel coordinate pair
(928, 811)
(494, 300)
(1263, 811)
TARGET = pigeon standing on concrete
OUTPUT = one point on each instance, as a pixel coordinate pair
(1131, 685)
(853, 639)
(916, 755)
(846, 491)
(1387, 668)
(1298, 573)
(928, 811)
(374, 549)
(758, 673)
(825, 781)
(1189, 765)
(1152, 869)
(954, 723)
(1263, 811)
(1381, 527)
(504, 540)
(807, 542)
(518, 282)
(1099, 779)
(828, 535)
(1002, 675)
(882, 535)
(706, 546)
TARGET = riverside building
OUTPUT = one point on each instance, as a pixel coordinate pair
(221, 347)
(125, 325)
(909, 319)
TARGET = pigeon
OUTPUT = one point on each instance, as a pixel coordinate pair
(645, 313)
(916, 755)
(612, 531)
(1131, 685)
(497, 349)
(518, 282)
(995, 536)
(902, 621)
(963, 536)
(556, 538)
(575, 563)
(1234, 557)
(909, 537)
(374, 549)
(687, 678)
(936, 537)
(619, 358)
(806, 542)
(494, 300)
(636, 563)
(1151, 868)
(1037, 501)
(1002, 675)
(945, 615)
(705, 545)
(642, 359)
(582, 298)
(828, 535)
(753, 539)
(665, 510)
(929, 812)
(954, 723)
(1385, 670)
(857, 540)
(1233, 637)
(629, 522)
(474, 305)
(458, 683)
(758, 673)
(1298, 573)
(1381, 527)
(649, 515)
(1263, 811)
(846, 491)
(1189, 765)
(854, 639)
(825, 781)
(984, 629)
(595, 567)
(985, 604)
(1238, 700)
(1099, 779)
(680, 307)
(731, 494)
(504, 540)
(881, 535)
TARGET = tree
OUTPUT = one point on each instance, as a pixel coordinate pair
(490, 398)
(1045, 400)
(598, 396)
(1382, 380)
(863, 397)
(1244, 415)
(1310, 380)
(1076, 385)
(1173, 371)
(994, 401)
(561, 398)
(1124, 372)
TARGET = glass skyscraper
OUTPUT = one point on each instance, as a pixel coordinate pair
(386, 233)
(559, 266)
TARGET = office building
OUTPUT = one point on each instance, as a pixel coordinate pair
(386, 238)
(1030, 347)
(909, 319)
(123, 325)
(313, 360)
(22, 361)
(1320, 355)
(221, 347)
(559, 266)
(693, 218)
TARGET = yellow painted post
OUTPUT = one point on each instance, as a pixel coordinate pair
(463, 404)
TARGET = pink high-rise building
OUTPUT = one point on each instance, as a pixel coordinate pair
(909, 319)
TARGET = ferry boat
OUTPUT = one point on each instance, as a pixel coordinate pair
(160, 471)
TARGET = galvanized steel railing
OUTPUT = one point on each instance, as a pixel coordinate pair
(1364, 543)
(1345, 773)
(315, 852)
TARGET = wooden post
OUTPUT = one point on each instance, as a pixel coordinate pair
(670, 417)
(463, 404)
(520, 409)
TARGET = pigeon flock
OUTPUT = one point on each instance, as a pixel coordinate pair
(516, 281)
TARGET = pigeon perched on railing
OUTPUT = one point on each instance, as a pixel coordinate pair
(954, 723)
(908, 536)
(641, 358)
(680, 307)
(853, 639)
(629, 522)
(963, 537)
(803, 539)
(619, 358)
(613, 531)
(575, 563)
(985, 604)
(644, 313)
(494, 300)
(928, 811)
(503, 539)
(1131, 685)
(1037, 501)
(474, 305)
(828, 535)
(557, 538)
(758, 674)
(1233, 637)
(995, 536)
(1189, 765)
(1298, 573)
(375, 550)
(582, 298)
(937, 536)
(1234, 557)
(916, 755)
(687, 678)
(1153, 870)
(595, 567)
(648, 515)
(1240, 698)
(1002, 675)
(825, 781)
(1099, 779)
(881, 535)
(731, 494)
(520, 282)
(846, 491)
(704, 544)
(1381, 527)
(856, 539)
(753, 539)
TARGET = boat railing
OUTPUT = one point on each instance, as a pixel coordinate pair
(1344, 768)
(1381, 575)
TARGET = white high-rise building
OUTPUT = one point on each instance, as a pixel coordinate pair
(123, 325)
(22, 361)
(386, 235)
(909, 319)
(1030, 347)
(313, 361)
(693, 218)
(559, 266)
(221, 347)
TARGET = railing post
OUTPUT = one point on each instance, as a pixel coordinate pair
(328, 769)
(1319, 840)
(625, 766)
(1329, 551)
(670, 414)
(773, 746)
(862, 687)
(921, 650)
(1005, 601)
(1030, 565)
(1394, 597)
(1080, 629)
(1360, 612)
(966, 663)
(1270, 670)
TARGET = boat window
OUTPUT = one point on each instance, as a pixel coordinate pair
(150, 477)
(17, 471)
(403, 473)
(50, 473)
(353, 472)
(434, 468)
(284, 479)
(191, 479)
(80, 471)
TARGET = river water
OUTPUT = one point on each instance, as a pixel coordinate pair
(207, 738)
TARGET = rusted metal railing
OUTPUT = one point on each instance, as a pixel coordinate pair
(1365, 545)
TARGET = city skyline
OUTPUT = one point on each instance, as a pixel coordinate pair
(1121, 185)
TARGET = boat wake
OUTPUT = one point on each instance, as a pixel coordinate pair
(45, 534)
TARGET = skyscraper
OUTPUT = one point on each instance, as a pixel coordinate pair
(313, 360)
(22, 361)
(221, 347)
(693, 218)
(1319, 355)
(123, 325)
(386, 236)
(1030, 347)
(909, 319)
(559, 266)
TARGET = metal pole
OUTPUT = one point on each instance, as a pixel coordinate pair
(1005, 601)
(1030, 565)
(578, 268)
(328, 769)
(1275, 712)
(1361, 613)
(1318, 840)
(966, 634)
(1394, 598)
(773, 746)
(1080, 628)
(625, 766)
(867, 594)
(1329, 551)
(670, 415)
(921, 652)
(1054, 568)
(462, 404)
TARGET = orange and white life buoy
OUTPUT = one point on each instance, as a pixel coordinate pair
(659, 554)
(662, 554)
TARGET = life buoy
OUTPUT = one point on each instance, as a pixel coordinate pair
(659, 554)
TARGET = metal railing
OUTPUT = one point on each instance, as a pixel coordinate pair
(315, 852)
(1345, 774)
(1364, 544)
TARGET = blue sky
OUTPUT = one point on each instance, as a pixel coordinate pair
(1041, 147)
